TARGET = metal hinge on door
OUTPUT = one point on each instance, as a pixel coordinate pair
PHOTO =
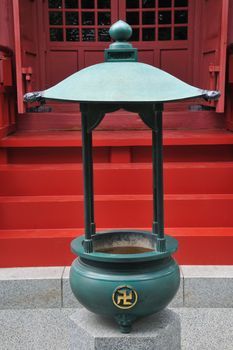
(214, 76)
(214, 73)
(27, 73)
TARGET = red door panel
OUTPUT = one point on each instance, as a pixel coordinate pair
(93, 57)
(214, 19)
(175, 62)
(29, 49)
(26, 23)
(146, 56)
(155, 27)
(76, 36)
(161, 33)
(75, 32)
(56, 60)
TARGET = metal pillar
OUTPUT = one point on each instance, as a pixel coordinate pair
(154, 176)
(158, 200)
(87, 184)
(91, 186)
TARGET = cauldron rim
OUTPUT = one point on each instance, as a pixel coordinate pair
(77, 248)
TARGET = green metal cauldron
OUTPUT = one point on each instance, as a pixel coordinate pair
(125, 274)
(125, 277)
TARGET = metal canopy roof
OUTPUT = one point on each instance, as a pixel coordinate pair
(122, 82)
(121, 79)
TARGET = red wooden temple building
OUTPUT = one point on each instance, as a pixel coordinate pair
(41, 198)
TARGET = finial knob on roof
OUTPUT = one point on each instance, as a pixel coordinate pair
(120, 31)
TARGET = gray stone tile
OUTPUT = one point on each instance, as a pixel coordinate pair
(68, 299)
(161, 331)
(206, 329)
(208, 286)
(49, 329)
(20, 273)
(30, 287)
(52, 329)
(207, 271)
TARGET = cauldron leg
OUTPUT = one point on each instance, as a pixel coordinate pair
(125, 322)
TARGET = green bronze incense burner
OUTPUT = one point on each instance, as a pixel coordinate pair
(125, 277)
(125, 274)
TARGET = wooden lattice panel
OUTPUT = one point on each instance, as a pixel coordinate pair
(89, 20)
(161, 20)
(79, 20)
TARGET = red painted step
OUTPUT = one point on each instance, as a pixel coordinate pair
(117, 146)
(118, 154)
(120, 120)
(66, 179)
(197, 246)
(117, 138)
(192, 210)
(41, 208)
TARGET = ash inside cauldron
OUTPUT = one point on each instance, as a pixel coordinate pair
(124, 243)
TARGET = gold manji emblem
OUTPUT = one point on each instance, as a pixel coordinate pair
(124, 297)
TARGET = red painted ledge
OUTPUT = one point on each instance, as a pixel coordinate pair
(197, 246)
(117, 138)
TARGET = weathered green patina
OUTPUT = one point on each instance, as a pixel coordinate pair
(126, 274)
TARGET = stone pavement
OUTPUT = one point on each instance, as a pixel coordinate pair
(158, 331)
(36, 305)
(52, 329)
